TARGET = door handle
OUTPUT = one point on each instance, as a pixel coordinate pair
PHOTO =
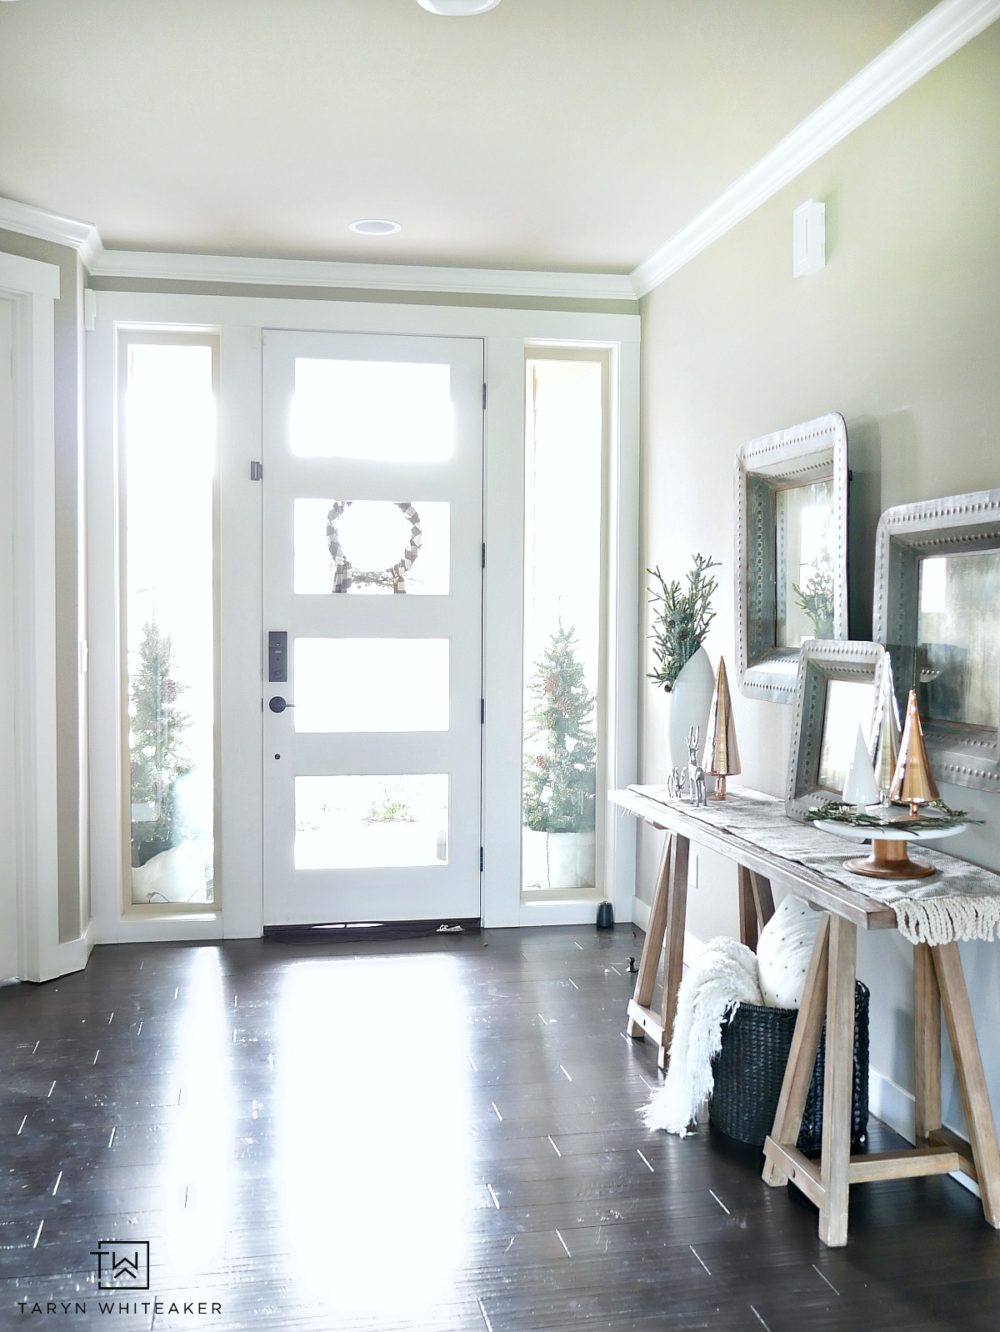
(278, 704)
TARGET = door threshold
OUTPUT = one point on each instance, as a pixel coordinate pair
(354, 931)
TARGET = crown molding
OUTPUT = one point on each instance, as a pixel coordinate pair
(202, 268)
(925, 45)
(26, 220)
(37, 222)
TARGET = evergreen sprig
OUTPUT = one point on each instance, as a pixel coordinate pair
(681, 618)
(838, 811)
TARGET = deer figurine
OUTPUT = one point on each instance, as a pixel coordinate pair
(695, 772)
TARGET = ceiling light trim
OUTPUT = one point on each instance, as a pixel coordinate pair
(167, 267)
(931, 40)
(26, 220)
(458, 8)
(375, 226)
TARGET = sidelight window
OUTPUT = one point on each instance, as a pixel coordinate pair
(168, 469)
(565, 446)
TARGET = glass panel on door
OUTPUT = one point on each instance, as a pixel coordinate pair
(384, 820)
(376, 411)
(371, 684)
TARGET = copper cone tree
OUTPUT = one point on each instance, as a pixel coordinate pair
(913, 782)
(721, 758)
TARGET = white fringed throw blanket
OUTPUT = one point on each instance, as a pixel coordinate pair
(719, 979)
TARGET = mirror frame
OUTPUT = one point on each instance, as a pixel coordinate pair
(801, 455)
(822, 661)
(960, 524)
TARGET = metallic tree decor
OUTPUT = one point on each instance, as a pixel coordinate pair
(913, 782)
(887, 745)
(722, 756)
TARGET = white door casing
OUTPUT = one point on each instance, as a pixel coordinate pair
(30, 289)
(383, 690)
(239, 322)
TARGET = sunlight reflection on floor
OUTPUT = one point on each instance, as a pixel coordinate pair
(374, 1171)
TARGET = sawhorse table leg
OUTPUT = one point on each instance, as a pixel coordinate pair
(971, 1081)
(667, 920)
(666, 924)
(756, 905)
(939, 984)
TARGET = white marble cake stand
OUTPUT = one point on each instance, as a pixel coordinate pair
(889, 858)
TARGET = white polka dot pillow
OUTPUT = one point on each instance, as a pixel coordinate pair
(783, 952)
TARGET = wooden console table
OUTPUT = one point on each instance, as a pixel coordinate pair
(939, 984)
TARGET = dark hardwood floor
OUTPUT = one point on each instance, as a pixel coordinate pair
(437, 1134)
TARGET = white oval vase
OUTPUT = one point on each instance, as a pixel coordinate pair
(689, 703)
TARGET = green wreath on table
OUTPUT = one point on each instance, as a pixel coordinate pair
(346, 575)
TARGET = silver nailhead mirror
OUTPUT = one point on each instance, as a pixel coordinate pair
(937, 610)
(791, 550)
(838, 688)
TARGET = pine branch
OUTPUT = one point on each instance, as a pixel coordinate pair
(937, 816)
(681, 618)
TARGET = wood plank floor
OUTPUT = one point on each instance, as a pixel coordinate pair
(436, 1134)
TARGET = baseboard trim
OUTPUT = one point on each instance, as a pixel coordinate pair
(640, 913)
(893, 1104)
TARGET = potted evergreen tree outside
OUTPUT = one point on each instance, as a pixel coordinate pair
(560, 771)
(157, 756)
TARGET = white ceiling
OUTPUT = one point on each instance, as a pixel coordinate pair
(564, 135)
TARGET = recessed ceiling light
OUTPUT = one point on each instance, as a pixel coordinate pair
(457, 8)
(375, 226)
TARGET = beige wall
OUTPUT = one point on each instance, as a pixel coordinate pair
(74, 889)
(899, 334)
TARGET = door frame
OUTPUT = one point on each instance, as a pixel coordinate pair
(239, 321)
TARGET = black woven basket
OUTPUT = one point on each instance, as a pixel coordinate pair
(750, 1068)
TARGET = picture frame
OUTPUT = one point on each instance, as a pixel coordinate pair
(942, 632)
(791, 570)
(839, 686)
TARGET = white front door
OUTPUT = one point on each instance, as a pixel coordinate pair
(372, 653)
(9, 960)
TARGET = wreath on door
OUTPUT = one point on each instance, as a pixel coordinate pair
(345, 575)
